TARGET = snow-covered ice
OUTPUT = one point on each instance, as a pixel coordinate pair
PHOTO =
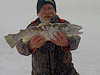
(17, 14)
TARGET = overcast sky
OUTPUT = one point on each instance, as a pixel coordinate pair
(17, 14)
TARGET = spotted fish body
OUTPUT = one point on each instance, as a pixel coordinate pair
(45, 29)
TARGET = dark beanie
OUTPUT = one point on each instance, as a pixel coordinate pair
(40, 3)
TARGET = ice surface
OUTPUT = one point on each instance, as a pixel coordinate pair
(17, 14)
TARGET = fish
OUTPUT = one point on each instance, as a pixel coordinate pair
(45, 29)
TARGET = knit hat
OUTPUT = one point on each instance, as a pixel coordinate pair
(40, 3)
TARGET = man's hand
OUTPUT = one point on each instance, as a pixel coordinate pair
(59, 39)
(37, 41)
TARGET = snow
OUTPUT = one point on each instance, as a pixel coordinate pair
(17, 14)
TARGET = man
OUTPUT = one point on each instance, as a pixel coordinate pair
(49, 57)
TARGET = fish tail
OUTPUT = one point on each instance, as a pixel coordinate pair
(10, 40)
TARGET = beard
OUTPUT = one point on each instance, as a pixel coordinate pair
(46, 18)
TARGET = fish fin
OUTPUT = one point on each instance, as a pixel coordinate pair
(10, 40)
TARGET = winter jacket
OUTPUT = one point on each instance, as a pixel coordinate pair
(50, 59)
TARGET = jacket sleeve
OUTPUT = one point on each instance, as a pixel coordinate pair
(23, 48)
(74, 42)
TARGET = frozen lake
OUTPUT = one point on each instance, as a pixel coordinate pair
(16, 15)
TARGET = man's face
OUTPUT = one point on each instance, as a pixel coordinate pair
(46, 13)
